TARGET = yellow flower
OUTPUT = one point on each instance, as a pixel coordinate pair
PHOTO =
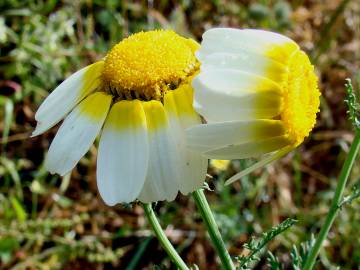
(140, 99)
(220, 164)
(258, 93)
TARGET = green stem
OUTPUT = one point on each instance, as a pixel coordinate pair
(164, 241)
(335, 205)
(212, 229)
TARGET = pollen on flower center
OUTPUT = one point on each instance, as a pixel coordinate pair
(300, 98)
(147, 64)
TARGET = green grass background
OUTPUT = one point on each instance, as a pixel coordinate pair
(48, 222)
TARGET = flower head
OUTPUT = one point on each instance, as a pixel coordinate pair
(140, 99)
(258, 92)
(219, 164)
(148, 64)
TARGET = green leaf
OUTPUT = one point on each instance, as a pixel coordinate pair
(8, 116)
(18, 208)
(300, 255)
(274, 263)
(7, 246)
(11, 169)
(351, 101)
(355, 194)
(256, 245)
(259, 12)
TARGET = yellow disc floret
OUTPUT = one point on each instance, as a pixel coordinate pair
(147, 64)
(300, 97)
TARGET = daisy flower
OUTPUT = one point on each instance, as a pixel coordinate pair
(220, 164)
(139, 98)
(258, 93)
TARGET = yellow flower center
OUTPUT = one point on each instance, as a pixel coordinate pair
(301, 97)
(147, 64)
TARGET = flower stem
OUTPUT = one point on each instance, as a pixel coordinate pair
(335, 205)
(212, 228)
(164, 241)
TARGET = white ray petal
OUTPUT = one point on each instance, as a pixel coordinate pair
(236, 83)
(161, 182)
(252, 37)
(77, 133)
(215, 135)
(123, 157)
(216, 106)
(263, 162)
(247, 62)
(237, 40)
(193, 166)
(64, 98)
(249, 149)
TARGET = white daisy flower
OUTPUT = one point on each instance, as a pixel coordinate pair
(140, 99)
(258, 93)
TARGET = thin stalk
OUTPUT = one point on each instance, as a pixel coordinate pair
(335, 205)
(212, 229)
(164, 241)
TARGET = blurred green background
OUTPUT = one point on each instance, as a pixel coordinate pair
(49, 222)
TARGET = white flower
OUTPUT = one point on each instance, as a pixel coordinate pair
(258, 93)
(140, 97)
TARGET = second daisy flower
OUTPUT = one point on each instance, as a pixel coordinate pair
(258, 93)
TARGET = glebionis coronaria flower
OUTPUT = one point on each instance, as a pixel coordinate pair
(139, 98)
(258, 93)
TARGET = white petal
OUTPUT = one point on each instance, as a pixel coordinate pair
(263, 162)
(193, 166)
(236, 82)
(247, 62)
(217, 106)
(64, 98)
(161, 182)
(215, 135)
(250, 149)
(123, 156)
(77, 133)
(253, 37)
(236, 40)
